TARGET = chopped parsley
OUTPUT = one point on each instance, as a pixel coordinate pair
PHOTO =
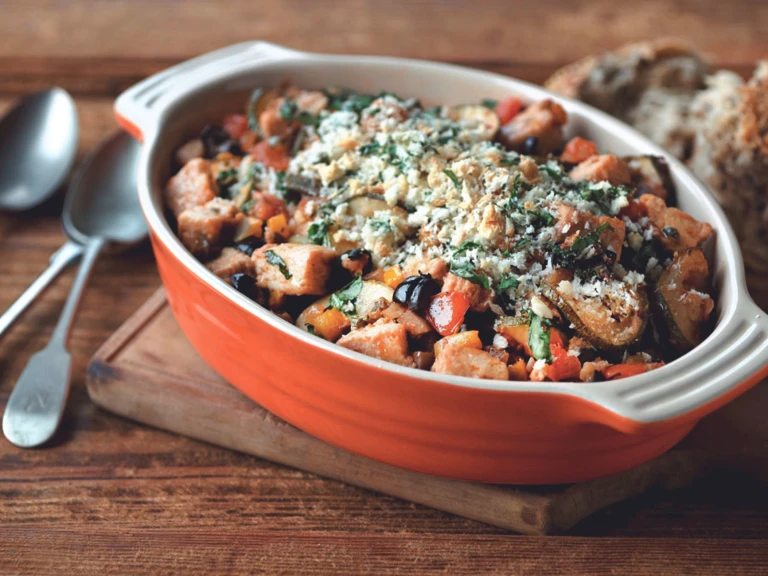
(288, 109)
(602, 196)
(318, 233)
(371, 148)
(467, 271)
(541, 217)
(508, 282)
(246, 207)
(253, 119)
(538, 338)
(274, 259)
(453, 177)
(344, 299)
(308, 119)
(567, 257)
(226, 177)
(489, 103)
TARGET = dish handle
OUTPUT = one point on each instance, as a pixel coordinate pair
(717, 371)
(136, 109)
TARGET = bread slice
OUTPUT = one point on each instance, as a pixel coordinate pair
(716, 123)
(730, 154)
(649, 85)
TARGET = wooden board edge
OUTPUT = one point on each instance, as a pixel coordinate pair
(131, 327)
(113, 389)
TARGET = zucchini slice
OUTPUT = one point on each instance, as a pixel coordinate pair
(680, 315)
(608, 323)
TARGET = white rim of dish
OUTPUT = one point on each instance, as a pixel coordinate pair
(730, 355)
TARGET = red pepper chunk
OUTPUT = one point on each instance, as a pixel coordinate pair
(508, 109)
(446, 312)
(563, 366)
(578, 149)
(624, 370)
(236, 125)
(271, 156)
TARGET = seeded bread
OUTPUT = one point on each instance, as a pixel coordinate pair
(716, 123)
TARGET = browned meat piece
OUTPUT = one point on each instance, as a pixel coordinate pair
(676, 229)
(383, 341)
(192, 187)
(543, 120)
(479, 298)
(605, 167)
(305, 268)
(205, 229)
(463, 361)
(231, 261)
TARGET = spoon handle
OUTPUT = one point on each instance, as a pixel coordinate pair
(36, 405)
(59, 260)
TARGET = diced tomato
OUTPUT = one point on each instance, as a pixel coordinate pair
(508, 109)
(446, 312)
(624, 370)
(236, 125)
(266, 206)
(276, 156)
(393, 276)
(557, 339)
(563, 366)
(578, 149)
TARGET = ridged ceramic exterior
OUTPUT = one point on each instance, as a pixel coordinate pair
(512, 432)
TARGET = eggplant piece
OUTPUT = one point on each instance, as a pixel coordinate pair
(680, 316)
(604, 322)
(650, 174)
(366, 303)
(485, 119)
(308, 185)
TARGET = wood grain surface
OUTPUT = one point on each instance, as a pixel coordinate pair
(112, 497)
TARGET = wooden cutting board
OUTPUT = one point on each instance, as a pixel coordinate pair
(148, 372)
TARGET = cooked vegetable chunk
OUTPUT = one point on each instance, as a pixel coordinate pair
(650, 174)
(676, 229)
(383, 341)
(205, 229)
(192, 187)
(465, 361)
(479, 297)
(293, 269)
(542, 121)
(603, 168)
(683, 305)
(231, 261)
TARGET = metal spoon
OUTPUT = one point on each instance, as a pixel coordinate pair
(101, 207)
(38, 140)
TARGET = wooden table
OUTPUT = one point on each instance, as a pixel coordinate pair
(112, 497)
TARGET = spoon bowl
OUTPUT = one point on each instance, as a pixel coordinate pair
(102, 200)
(38, 137)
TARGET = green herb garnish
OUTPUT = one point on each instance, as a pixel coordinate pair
(253, 119)
(246, 207)
(468, 272)
(288, 109)
(344, 299)
(274, 259)
(370, 148)
(226, 177)
(318, 233)
(522, 243)
(489, 103)
(508, 282)
(308, 119)
(453, 177)
(538, 338)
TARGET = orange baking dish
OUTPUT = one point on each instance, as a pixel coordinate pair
(511, 432)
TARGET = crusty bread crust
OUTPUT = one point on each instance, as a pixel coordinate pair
(717, 124)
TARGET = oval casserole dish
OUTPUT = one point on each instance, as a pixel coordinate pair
(492, 431)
